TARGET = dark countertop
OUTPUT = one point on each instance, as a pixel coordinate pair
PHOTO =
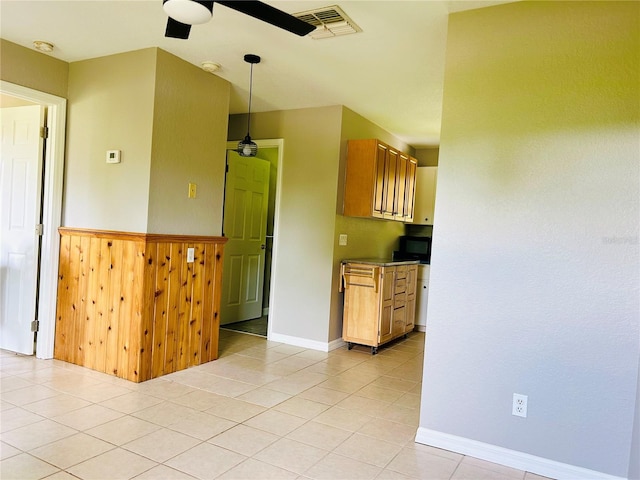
(381, 262)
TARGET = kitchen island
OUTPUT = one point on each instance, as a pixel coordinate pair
(379, 300)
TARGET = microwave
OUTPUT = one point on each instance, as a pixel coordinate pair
(414, 248)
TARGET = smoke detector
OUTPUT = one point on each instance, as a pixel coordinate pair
(329, 22)
(210, 67)
(43, 46)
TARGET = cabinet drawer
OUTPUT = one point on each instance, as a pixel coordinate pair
(361, 275)
(399, 300)
(401, 285)
(401, 271)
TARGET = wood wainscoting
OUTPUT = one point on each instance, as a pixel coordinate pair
(129, 304)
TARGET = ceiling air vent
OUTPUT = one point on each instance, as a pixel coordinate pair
(329, 22)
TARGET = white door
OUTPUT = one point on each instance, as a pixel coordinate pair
(20, 187)
(245, 225)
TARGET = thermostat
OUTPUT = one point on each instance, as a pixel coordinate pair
(113, 156)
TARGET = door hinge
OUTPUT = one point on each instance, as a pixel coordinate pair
(39, 229)
(44, 132)
(35, 326)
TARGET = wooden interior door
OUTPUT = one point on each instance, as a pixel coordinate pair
(245, 225)
(20, 191)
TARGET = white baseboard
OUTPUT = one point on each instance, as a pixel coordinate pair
(507, 457)
(299, 342)
(265, 311)
(420, 328)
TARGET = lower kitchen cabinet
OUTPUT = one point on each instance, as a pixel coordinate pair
(422, 297)
(379, 301)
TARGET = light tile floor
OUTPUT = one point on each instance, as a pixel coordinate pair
(263, 410)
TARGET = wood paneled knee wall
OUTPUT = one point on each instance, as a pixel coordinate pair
(130, 305)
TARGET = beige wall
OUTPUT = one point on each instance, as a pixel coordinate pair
(190, 116)
(307, 215)
(32, 69)
(308, 303)
(111, 102)
(536, 260)
(169, 119)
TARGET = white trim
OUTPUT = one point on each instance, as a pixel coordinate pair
(507, 457)
(299, 342)
(51, 210)
(279, 144)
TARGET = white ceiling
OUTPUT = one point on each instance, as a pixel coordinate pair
(391, 73)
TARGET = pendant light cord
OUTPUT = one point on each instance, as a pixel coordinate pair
(250, 94)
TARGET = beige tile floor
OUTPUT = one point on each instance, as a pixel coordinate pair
(263, 410)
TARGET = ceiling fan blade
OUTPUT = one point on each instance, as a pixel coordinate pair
(271, 15)
(176, 29)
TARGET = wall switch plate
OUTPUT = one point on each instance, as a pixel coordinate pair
(190, 255)
(113, 156)
(192, 190)
(342, 240)
(519, 407)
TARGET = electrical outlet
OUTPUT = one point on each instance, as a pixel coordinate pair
(190, 255)
(519, 408)
(192, 190)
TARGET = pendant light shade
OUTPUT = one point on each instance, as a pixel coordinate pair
(247, 147)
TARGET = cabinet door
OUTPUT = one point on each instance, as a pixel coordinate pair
(422, 297)
(410, 190)
(362, 297)
(425, 195)
(410, 315)
(400, 206)
(399, 321)
(412, 277)
(391, 172)
(386, 310)
(379, 187)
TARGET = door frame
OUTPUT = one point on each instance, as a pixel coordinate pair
(52, 190)
(279, 144)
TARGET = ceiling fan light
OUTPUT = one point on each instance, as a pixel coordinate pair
(247, 147)
(188, 12)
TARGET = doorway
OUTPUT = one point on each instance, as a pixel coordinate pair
(270, 151)
(50, 199)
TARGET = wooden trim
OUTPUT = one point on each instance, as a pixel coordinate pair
(141, 237)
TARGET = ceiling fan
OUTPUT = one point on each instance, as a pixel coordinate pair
(184, 13)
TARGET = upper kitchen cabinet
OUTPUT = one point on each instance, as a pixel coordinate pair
(380, 181)
(425, 194)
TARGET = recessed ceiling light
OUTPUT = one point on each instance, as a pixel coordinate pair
(43, 46)
(210, 67)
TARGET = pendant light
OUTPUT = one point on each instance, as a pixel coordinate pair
(246, 147)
